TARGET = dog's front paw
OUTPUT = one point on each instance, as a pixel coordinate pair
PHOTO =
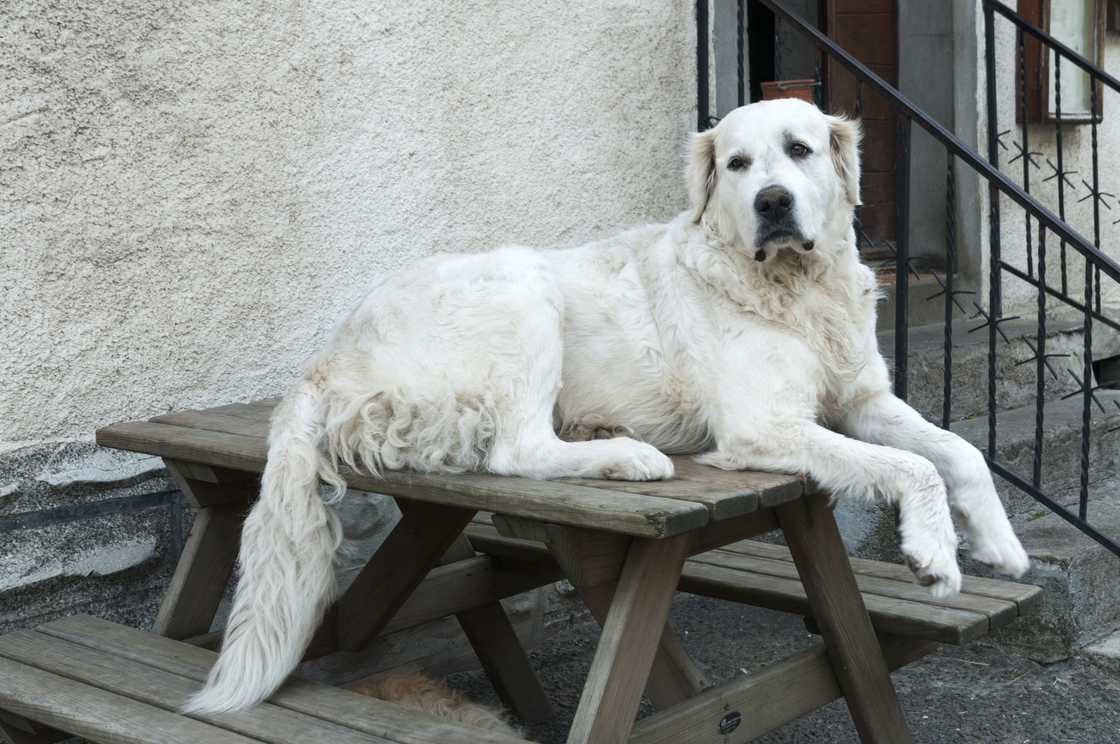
(999, 549)
(991, 539)
(934, 563)
(636, 461)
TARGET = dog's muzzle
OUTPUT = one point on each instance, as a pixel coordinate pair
(774, 205)
(776, 222)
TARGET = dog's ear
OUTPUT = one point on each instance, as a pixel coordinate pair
(844, 138)
(701, 172)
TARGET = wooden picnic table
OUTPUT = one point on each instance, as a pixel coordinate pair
(623, 545)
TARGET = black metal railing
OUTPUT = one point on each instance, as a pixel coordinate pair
(1045, 49)
(1002, 191)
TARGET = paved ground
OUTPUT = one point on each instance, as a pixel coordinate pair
(979, 694)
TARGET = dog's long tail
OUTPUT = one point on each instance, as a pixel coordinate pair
(288, 547)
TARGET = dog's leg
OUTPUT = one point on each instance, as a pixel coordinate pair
(848, 467)
(526, 445)
(550, 457)
(884, 419)
(525, 442)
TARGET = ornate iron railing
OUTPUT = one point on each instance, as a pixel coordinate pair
(1089, 306)
(1098, 267)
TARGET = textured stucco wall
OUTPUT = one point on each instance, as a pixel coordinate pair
(194, 192)
(191, 194)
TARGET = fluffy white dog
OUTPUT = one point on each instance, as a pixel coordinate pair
(743, 330)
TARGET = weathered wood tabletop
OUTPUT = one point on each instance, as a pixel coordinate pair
(234, 437)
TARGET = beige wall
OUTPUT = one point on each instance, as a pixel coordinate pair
(192, 193)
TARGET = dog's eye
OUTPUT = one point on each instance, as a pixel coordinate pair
(738, 163)
(799, 150)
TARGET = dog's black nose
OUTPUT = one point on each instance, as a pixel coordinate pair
(773, 203)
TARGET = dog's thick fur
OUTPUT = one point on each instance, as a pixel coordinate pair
(737, 331)
(419, 692)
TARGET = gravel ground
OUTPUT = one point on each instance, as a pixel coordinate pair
(977, 694)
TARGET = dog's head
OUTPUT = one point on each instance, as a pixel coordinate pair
(776, 174)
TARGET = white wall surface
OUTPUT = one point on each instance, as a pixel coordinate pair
(191, 194)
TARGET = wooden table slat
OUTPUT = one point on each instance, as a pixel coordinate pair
(725, 493)
(722, 504)
(162, 689)
(998, 611)
(598, 508)
(216, 421)
(888, 614)
(352, 710)
(1025, 596)
(247, 411)
(96, 714)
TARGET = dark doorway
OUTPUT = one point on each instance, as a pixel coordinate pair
(760, 47)
(868, 30)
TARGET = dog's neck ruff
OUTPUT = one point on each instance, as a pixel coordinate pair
(824, 297)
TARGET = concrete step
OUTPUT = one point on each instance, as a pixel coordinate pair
(1080, 577)
(1061, 450)
(1105, 652)
(1015, 379)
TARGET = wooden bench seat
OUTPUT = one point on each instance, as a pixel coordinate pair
(108, 683)
(762, 574)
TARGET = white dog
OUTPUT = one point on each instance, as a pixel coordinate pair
(744, 329)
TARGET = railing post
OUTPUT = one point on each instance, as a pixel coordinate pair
(902, 254)
(703, 107)
(994, 294)
(1060, 155)
(1087, 328)
(1024, 114)
(950, 296)
(1040, 364)
(740, 45)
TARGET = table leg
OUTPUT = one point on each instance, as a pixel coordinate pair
(220, 499)
(423, 534)
(592, 561)
(19, 730)
(494, 640)
(629, 642)
(857, 659)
